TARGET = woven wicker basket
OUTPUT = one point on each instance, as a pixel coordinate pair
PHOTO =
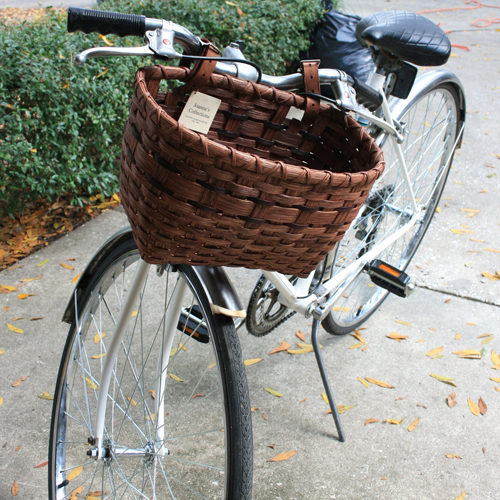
(258, 191)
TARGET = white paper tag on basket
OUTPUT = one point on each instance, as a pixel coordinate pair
(296, 113)
(199, 112)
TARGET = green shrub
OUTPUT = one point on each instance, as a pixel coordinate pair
(61, 124)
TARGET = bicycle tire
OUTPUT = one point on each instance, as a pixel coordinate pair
(208, 430)
(432, 120)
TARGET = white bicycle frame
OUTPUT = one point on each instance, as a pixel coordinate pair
(295, 297)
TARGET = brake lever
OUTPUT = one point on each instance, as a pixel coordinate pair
(112, 51)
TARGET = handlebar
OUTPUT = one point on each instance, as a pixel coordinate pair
(122, 25)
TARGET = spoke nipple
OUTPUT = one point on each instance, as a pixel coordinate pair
(63, 484)
(91, 440)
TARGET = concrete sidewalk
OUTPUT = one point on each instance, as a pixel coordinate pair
(379, 460)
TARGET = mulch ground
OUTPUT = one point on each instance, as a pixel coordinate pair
(43, 222)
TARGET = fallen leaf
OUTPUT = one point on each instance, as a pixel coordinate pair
(14, 329)
(420, 340)
(307, 346)
(74, 473)
(75, 279)
(98, 337)
(273, 392)
(490, 276)
(75, 493)
(413, 425)
(403, 322)
(467, 352)
(132, 401)
(482, 406)
(19, 447)
(451, 400)
(371, 421)
(2, 351)
(41, 464)
(18, 382)
(280, 457)
(250, 362)
(134, 314)
(212, 365)
(42, 263)
(300, 335)
(197, 396)
(495, 379)
(175, 377)
(342, 409)
(1, 401)
(446, 380)
(396, 336)
(37, 318)
(435, 352)
(26, 280)
(299, 351)
(15, 489)
(46, 395)
(355, 346)
(17, 319)
(400, 398)
(282, 347)
(473, 407)
(23, 296)
(452, 455)
(325, 397)
(67, 266)
(422, 406)
(90, 384)
(363, 381)
(264, 416)
(491, 250)
(152, 392)
(98, 356)
(457, 336)
(461, 496)
(495, 359)
(379, 383)
(393, 421)
(364, 348)
(487, 340)
(303, 400)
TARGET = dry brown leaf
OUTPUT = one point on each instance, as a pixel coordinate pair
(484, 335)
(98, 356)
(36, 318)
(42, 464)
(19, 447)
(14, 329)
(74, 473)
(67, 266)
(379, 383)
(495, 359)
(356, 346)
(75, 493)
(461, 496)
(254, 408)
(46, 395)
(452, 455)
(435, 352)
(23, 296)
(371, 421)
(132, 401)
(250, 362)
(341, 409)
(15, 489)
(491, 250)
(482, 406)
(76, 278)
(282, 347)
(457, 336)
(300, 335)
(446, 380)
(495, 379)
(451, 400)
(393, 421)
(396, 336)
(212, 365)
(299, 351)
(358, 336)
(18, 382)
(413, 425)
(176, 378)
(473, 407)
(280, 457)
(420, 340)
(468, 352)
(364, 348)
(98, 337)
(197, 396)
(363, 381)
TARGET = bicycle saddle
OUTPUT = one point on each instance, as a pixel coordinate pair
(410, 37)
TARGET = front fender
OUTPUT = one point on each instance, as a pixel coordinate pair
(220, 292)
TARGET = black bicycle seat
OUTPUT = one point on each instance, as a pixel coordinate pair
(408, 36)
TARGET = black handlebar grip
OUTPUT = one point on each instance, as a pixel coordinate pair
(105, 23)
(367, 96)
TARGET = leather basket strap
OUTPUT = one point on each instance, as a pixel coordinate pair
(311, 85)
(203, 69)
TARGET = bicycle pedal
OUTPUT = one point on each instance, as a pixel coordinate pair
(389, 277)
(191, 322)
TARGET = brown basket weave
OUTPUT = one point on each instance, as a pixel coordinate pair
(258, 191)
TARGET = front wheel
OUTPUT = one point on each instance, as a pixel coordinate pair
(432, 124)
(200, 446)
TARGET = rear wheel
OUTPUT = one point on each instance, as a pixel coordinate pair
(206, 449)
(432, 124)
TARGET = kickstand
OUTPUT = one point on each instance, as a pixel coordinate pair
(322, 371)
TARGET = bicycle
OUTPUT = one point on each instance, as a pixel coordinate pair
(151, 398)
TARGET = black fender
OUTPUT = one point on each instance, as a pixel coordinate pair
(220, 292)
